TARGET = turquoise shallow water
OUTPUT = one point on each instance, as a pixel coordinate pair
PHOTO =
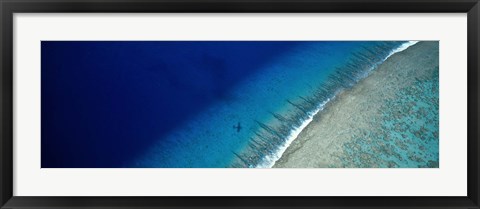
(268, 106)
(388, 119)
(408, 135)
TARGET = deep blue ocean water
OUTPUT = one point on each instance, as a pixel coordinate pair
(192, 104)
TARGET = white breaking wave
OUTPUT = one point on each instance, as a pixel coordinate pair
(394, 51)
(270, 160)
(401, 48)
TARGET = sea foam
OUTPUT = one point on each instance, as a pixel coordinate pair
(270, 160)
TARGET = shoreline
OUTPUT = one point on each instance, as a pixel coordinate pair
(271, 160)
(353, 117)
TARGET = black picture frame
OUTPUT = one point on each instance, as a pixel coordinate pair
(9, 7)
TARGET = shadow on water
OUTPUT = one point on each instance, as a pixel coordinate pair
(104, 103)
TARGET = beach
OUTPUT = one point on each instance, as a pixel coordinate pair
(388, 119)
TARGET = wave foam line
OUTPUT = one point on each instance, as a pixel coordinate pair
(401, 48)
(269, 161)
(394, 51)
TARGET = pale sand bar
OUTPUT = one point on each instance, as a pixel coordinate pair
(350, 131)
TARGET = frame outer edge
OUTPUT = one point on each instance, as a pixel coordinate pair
(473, 49)
(477, 159)
(476, 146)
(6, 157)
(473, 104)
(2, 148)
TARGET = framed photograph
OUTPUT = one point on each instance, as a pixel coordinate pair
(239, 104)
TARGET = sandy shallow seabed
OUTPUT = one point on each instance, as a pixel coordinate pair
(389, 119)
